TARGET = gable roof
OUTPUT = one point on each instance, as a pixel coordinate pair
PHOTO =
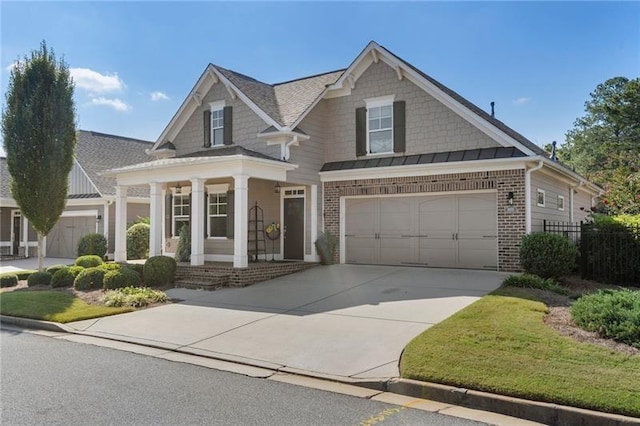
(97, 152)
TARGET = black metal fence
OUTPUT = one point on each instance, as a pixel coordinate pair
(608, 253)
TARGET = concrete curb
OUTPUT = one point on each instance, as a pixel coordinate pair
(543, 412)
(37, 324)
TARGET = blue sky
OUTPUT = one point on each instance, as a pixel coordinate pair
(134, 62)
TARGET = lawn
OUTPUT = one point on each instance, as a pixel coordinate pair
(54, 306)
(500, 344)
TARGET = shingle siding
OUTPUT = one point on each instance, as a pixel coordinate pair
(430, 126)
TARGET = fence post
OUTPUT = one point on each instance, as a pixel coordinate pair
(583, 251)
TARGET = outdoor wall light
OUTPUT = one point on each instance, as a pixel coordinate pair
(178, 188)
(510, 198)
(277, 188)
(98, 218)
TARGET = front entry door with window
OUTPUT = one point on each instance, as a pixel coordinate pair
(293, 209)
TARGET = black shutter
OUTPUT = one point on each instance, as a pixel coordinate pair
(168, 201)
(207, 128)
(399, 144)
(361, 131)
(228, 125)
(230, 213)
(206, 214)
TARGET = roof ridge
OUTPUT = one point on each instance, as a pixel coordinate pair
(242, 75)
(308, 77)
(108, 135)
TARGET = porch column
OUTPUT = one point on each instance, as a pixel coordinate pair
(105, 222)
(314, 221)
(241, 206)
(197, 222)
(25, 235)
(156, 216)
(120, 252)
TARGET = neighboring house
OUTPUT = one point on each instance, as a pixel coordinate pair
(90, 204)
(401, 168)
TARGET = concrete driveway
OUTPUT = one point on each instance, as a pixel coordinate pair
(14, 265)
(346, 321)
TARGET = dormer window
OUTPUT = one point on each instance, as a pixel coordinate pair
(380, 129)
(217, 127)
(380, 126)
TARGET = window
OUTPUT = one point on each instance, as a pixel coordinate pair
(560, 203)
(217, 127)
(541, 198)
(217, 213)
(380, 129)
(181, 211)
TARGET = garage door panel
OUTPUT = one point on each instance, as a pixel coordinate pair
(395, 216)
(437, 252)
(361, 250)
(396, 251)
(435, 216)
(477, 253)
(63, 239)
(361, 217)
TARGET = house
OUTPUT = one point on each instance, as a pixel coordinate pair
(90, 205)
(401, 168)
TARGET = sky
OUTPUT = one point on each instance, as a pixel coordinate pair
(134, 63)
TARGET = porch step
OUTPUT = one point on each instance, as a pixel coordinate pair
(212, 283)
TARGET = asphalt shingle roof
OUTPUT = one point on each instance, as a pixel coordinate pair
(226, 151)
(97, 152)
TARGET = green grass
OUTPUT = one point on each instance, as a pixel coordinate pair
(500, 344)
(52, 306)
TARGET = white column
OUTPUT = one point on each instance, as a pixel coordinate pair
(314, 221)
(120, 252)
(156, 216)
(105, 221)
(240, 232)
(197, 222)
(25, 235)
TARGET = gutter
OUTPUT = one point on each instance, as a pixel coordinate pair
(527, 195)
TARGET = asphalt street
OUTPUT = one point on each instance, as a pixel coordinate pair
(50, 381)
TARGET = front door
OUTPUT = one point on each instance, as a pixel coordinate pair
(293, 209)
(16, 235)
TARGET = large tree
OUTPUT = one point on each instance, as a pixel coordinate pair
(38, 126)
(604, 145)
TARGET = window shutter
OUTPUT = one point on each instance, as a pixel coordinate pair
(206, 214)
(228, 125)
(399, 143)
(230, 213)
(361, 131)
(207, 129)
(168, 205)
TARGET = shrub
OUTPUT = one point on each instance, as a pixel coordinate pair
(613, 314)
(89, 279)
(138, 267)
(138, 241)
(9, 280)
(89, 261)
(326, 245)
(94, 243)
(109, 266)
(22, 275)
(183, 253)
(55, 268)
(547, 255)
(159, 271)
(534, 281)
(39, 278)
(125, 277)
(63, 277)
(134, 297)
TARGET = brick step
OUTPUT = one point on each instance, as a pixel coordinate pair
(200, 285)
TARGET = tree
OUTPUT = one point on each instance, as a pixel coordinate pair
(38, 126)
(604, 145)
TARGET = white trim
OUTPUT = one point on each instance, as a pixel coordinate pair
(217, 105)
(424, 169)
(222, 188)
(217, 188)
(527, 195)
(174, 234)
(313, 194)
(379, 102)
(79, 213)
(544, 197)
(184, 190)
(561, 197)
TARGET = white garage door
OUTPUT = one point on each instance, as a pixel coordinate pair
(63, 239)
(456, 231)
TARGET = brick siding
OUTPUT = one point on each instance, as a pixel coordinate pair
(511, 219)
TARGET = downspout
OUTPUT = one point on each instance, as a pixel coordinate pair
(527, 195)
(571, 202)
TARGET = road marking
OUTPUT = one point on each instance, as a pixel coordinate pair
(386, 413)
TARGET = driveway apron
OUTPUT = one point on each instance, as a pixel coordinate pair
(341, 320)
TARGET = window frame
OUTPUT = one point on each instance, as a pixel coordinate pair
(561, 197)
(185, 191)
(544, 197)
(216, 108)
(379, 102)
(219, 189)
